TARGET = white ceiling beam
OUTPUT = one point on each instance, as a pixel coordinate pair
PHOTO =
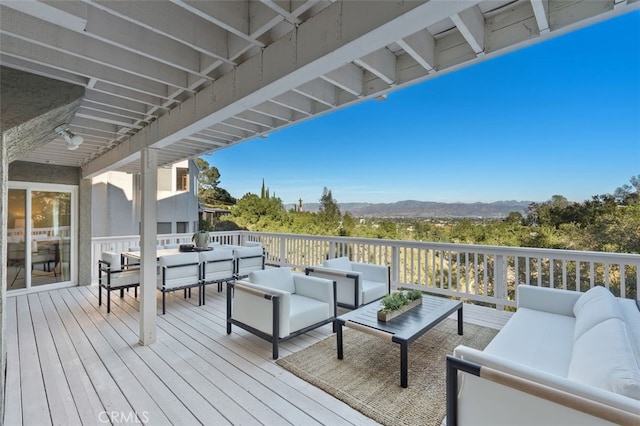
(89, 124)
(243, 125)
(225, 129)
(258, 119)
(100, 98)
(208, 141)
(421, 46)
(43, 70)
(281, 11)
(470, 23)
(109, 28)
(541, 12)
(347, 29)
(210, 136)
(262, 20)
(294, 101)
(174, 22)
(41, 55)
(44, 34)
(125, 93)
(273, 110)
(381, 63)
(232, 16)
(112, 110)
(320, 91)
(106, 117)
(48, 13)
(226, 133)
(349, 78)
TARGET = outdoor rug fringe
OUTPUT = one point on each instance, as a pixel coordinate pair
(368, 378)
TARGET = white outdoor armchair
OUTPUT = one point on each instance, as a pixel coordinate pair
(218, 266)
(277, 304)
(248, 259)
(178, 272)
(357, 284)
(112, 276)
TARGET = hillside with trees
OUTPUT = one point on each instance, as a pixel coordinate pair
(607, 222)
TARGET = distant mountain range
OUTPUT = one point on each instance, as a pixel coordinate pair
(428, 209)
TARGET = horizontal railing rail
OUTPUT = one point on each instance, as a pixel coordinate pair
(476, 273)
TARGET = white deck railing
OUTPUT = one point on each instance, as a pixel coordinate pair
(485, 274)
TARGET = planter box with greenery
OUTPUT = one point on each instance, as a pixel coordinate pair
(398, 303)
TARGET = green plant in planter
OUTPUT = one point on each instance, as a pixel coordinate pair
(395, 301)
(201, 239)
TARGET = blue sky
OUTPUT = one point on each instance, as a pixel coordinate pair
(559, 117)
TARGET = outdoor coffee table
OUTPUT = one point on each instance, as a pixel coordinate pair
(403, 329)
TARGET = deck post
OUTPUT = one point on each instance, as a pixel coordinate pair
(148, 245)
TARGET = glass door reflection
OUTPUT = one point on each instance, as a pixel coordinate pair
(16, 243)
(50, 237)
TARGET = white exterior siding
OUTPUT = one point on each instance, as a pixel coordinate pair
(116, 201)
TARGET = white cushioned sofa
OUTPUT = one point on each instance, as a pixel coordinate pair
(564, 358)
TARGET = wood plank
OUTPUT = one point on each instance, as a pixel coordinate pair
(230, 393)
(13, 402)
(84, 394)
(35, 408)
(191, 325)
(111, 396)
(61, 404)
(141, 402)
(128, 351)
(203, 374)
(180, 383)
(195, 316)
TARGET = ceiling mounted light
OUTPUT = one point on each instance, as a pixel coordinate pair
(73, 141)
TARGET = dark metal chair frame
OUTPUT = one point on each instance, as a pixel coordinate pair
(104, 266)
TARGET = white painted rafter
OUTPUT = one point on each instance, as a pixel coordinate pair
(173, 22)
(27, 51)
(281, 11)
(271, 109)
(381, 63)
(320, 91)
(68, 42)
(421, 46)
(294, 101)
(541, 12)
(349, 78)
(470, 23)
(258, 119)
(109, 28)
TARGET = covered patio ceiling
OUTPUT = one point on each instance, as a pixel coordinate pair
(193, 77)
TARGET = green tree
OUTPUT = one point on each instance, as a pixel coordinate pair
(329, 214)
(208, 180)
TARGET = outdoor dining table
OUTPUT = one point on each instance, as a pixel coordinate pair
(136, 255)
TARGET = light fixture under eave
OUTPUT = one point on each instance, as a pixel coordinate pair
(73, 141)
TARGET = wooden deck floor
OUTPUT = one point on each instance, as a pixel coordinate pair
(70, 363)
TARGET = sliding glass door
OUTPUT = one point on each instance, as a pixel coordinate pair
(40, 238)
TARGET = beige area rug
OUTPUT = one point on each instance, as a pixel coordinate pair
(368, 378)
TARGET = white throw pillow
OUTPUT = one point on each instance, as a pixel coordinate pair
(595, 306)
(603, 357)
(342, 263)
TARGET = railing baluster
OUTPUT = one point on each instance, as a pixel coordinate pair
(427, 264)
